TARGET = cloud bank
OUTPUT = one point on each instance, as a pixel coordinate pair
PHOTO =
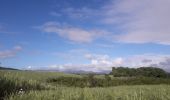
(102, 63)
(140, 21)
(146, 21)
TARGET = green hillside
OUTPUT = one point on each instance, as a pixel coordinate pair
(26, 85)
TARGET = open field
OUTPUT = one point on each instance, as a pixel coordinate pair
(61, 86)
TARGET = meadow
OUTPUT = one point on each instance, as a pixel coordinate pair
(143, 92)
(32, 85)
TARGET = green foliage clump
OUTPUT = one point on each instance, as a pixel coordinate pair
(151, 72)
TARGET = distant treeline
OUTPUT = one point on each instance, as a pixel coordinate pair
(142, 71)
(5, 68)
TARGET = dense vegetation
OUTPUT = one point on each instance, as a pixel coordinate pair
(142, 71)
(24, 85)
(106, 82)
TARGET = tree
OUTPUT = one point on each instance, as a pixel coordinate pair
(151, 72)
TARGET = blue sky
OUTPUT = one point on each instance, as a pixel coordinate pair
(91, 35)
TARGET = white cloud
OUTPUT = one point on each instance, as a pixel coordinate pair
(72, 33)
(10, 53)
(103, 62)
(99, 59)
(141, 21)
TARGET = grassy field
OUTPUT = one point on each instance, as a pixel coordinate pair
(29, 85)
(143, 92)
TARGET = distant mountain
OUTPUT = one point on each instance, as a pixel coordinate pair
(72, 71)
(5, 68)
(85, 72)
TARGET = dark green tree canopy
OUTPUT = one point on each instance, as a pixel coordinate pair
(142, 71)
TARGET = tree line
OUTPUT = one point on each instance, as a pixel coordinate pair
(136, 72)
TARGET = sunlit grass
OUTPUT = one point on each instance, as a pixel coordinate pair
(142, 92)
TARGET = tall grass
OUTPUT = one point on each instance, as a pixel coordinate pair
(142, 92)
(12, 81)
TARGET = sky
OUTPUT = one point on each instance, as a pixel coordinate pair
(89, 35)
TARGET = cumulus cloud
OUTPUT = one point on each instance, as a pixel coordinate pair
(10, 53)
(98, 59)
(103, 60)
(74, 34)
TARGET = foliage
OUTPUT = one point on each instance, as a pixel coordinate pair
(142, 71)
(98, 82)
(151, 72)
